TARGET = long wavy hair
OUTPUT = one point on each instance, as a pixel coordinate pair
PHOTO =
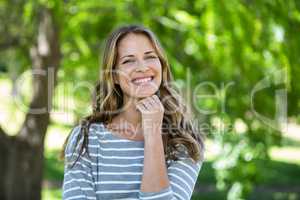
(177, 127)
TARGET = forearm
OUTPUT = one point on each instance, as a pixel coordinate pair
(155, 177)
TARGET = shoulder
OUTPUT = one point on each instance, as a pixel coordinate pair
(72, 139)
(76, 138)
(95, 129)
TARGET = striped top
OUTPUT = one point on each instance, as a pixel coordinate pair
(114, 170)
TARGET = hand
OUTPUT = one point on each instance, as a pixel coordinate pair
(152, 112)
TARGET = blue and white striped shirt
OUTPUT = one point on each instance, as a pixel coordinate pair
(115, 167)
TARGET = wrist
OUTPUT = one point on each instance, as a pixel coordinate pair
(153, 134)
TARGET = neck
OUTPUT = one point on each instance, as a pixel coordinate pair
(130, 114)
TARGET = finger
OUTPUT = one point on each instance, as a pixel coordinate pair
(158, 102)
(140, 107)
(147, 104)
(153, 102)
(155, 97)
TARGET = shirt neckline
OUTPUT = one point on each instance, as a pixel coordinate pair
(118, 137)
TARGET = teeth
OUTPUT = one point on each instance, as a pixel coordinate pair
(142, 80)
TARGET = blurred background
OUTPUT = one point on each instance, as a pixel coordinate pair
(236, 63)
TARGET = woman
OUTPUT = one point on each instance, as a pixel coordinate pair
(138, 143)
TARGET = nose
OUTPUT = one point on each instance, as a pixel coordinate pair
(142, 66)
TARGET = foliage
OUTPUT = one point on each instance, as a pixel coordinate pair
(226, 49)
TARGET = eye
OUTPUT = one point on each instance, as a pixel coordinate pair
(151, 57)
(128, 61)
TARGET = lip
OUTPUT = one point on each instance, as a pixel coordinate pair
(141, 77)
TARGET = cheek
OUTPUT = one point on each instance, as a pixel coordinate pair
(124, 76)
(158, 70)
(156, 67)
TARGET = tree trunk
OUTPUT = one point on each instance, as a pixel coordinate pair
(21, 156)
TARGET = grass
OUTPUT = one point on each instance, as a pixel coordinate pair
(51, 194)
(54, 168)
(278, 180)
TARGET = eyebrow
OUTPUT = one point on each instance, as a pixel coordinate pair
(147, 52)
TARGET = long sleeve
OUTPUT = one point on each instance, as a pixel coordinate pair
(78, 183)
(182, 177)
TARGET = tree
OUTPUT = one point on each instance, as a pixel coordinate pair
(21, 156)
(217, 42)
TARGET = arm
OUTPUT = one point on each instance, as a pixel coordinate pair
(78, 183)
(182, 176)
(155, 177)
(158, 182)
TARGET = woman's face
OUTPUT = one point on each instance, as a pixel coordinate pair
(138, 66)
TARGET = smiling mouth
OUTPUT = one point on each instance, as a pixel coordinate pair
(140, 81)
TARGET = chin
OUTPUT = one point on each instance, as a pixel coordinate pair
(140, 96)
(144, 92)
